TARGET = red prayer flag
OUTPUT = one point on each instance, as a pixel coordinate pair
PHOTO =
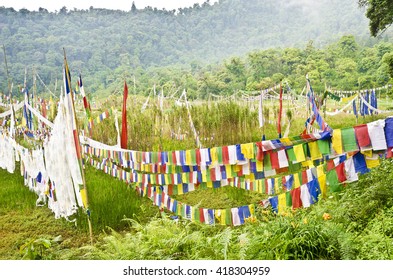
(259, 151)
(225, 155)
(296, 201)
(330, 165)
(123, 141)
(197, 157)
(304, 177)
(284, 184)
(341, 172)
(201, 215)
(43, 108)
(361, 133)
(389, 153)
(274, 159)
(213, 174)
(174, 158)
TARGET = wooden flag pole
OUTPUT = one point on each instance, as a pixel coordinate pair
(279, 113)
(78, 149)
(8, 75)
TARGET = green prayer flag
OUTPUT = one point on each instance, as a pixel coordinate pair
(170, 159)
(306, 151)
(291, 155)
(154, 157)
(279, 184)
(193, 157)
(349, 139)
(332, 181)
(267, 165)
(233, 173)
(294, 167)
(324, 147)
(228, 217)
(170, 181)
(196, 214)
(334, 97)
(289, 199)
(208, 179)
(219, 154)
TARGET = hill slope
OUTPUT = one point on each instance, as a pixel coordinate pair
(98, 41)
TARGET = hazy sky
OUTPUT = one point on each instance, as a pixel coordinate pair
(52, 5)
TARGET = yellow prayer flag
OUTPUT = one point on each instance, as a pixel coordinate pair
(322, 185)
(347, 99)
(308, 163)
(179, 209)
(296, 180)
(337, 143)
(223, 217)
(184, 177)
(247, 150)
(203, 172)
(368, 153)
(286, 141)
(220, 216)
(372, 163)
(188, 157)
(84, 197)
(276, 186)
(252, 209)
(228, 170)
(282, 203)
(217, 214)
(214, 156)
(192, 210)
(299, 153)
(259, 166)
(257, 186)
(320, 170)
(314, 150)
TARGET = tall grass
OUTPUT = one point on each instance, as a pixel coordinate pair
(360, 227)
(111, 201)
(13, 193)
(218, 123)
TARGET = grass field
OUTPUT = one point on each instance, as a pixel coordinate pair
(359, 227)
(126, 226)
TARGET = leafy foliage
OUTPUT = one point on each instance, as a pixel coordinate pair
(185, 48)
(380, 14)
(35, 248)
(359, 227)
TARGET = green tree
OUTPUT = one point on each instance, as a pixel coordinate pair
(133, 7)
(380, 14)
(388, 59)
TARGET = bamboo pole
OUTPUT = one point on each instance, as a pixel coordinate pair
(78, 148)
(8, 75)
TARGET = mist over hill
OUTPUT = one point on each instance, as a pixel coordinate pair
(104, 44)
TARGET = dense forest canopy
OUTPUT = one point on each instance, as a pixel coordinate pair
(229, 45)
(380, 14)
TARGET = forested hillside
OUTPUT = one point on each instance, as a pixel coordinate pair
(107, 46)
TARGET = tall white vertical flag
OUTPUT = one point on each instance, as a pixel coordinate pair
(260, 111)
